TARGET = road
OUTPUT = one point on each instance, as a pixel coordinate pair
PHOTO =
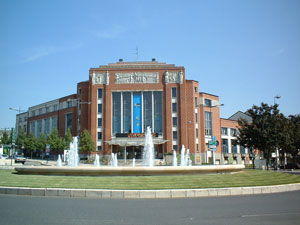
(281, 208)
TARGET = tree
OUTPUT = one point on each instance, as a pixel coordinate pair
(30, 143)
(68, 138)
(41, 143)
(87, 144)
(5, 139)
(21, 139)
(263, 132)
(56, 143)
(295, 136)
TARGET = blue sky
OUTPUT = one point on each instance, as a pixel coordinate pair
(246, 52)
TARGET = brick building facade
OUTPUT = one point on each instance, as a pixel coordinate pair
(120, 100)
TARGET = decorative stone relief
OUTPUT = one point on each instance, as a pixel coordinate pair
(174, 77)
(137, 78)
(100, 78)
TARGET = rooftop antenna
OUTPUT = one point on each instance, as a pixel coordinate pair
(137, 53)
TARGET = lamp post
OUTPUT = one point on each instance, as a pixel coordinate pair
(19, 110)
(277, 150)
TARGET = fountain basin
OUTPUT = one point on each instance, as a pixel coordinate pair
(129, 171)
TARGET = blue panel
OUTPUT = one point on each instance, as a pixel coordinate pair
(137, 113)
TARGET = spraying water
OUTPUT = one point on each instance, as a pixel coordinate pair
(182, 158)
(148, 153)
(174, 158)
(97, 161)
(58, 162)
(73, 159)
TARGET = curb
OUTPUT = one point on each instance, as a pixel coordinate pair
(148, 194)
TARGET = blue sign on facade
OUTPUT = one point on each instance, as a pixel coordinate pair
(137, 113)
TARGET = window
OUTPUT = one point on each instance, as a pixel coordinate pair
(69, 103)
(100, 93)
(99, 108)
(197, 147)
(233, 132)
(47, 109)
(99, 148)
(224, 131)
(207, 102)
(197, 133)
(99, 135)
(224, 145)
(147, 103)
(196, 117)
(40, 111)
(208, 123)
(158, 112)
(55, 107)
(47, 126)
(196, 101)
(116, 112)
(99, 122)
(39, 128)
(68, 118)
(174, 92)
(174, 107)
(175, 147)
(79, 91)
(175, 135)
(234, 146)
(196, 89)
(126, 112)
(174, 121)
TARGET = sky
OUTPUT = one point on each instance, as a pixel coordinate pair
(244, 51)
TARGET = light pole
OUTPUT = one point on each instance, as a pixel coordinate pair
(277, 150)
(19, 110)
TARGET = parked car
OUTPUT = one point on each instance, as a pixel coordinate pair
(20, 159)
(291, 166)
(4, 156)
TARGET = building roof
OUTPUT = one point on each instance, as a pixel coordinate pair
(240, 115)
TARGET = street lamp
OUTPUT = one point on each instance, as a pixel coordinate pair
(277, 150)
(276, 97)
(18, 110)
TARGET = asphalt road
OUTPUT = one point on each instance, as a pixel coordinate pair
(282, 208)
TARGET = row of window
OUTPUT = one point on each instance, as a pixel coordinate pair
(233, 131)
(99, 119)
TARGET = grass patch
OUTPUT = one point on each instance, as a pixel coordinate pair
(247, 178)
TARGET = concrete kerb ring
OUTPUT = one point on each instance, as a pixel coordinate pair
(148, 194)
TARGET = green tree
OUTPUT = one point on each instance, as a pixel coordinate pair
(30, 144)
(263, 132)
(21, 139)
(68, 139)
(295, 136)
(86, 144)
(56, 143)
(41, 143)
(5, 140)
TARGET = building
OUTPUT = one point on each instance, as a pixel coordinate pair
(120, 100)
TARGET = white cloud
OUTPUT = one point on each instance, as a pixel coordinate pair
(45, 51)
(110, 33)
(279, 52)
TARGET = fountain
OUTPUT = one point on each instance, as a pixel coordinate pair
(148, 153)
(182, 158)
(73, 158)
(97, 161)
(174, 158)
(58, 162)
(148, 167)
